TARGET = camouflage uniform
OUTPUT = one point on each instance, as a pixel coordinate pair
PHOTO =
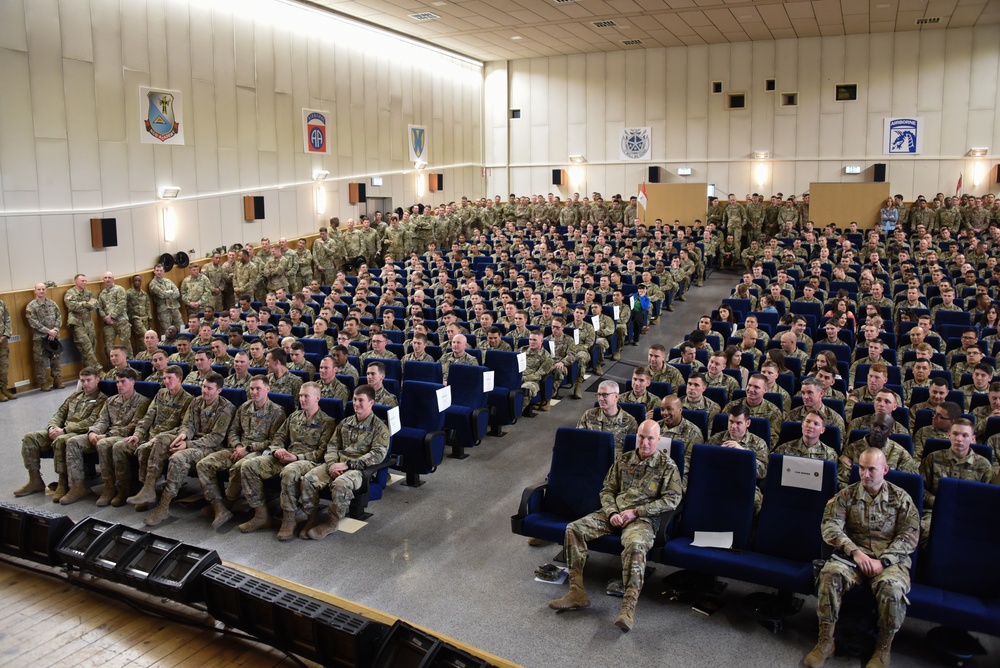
(883, 527)
(305, 261)
(668, 374)
(357, 443)
(385, 398)
(198, 290)
(275, 271)
(766, 410)
(287, 384)
(166, 297)
(117, 420)
(896, 457)
(799, 448)
(538, 365)
(685, 431)
(946, 464)
(246, 278)
(706, 405)
(323, 257)
(238, 383)
(252, 428)
(651, 487)
(619, 425)
(648, 400)
(113, 302)
(137, 307)
(756, 445)
(205, 427)
(830, 417)
(5, 331)
(216, 277)
(725, 381)
(80, 307)
(162, 419)
(333, 390)
(450, 358)
(920, 439)
(75, 416)
(734, 217)
(43, 316)
(304, 437)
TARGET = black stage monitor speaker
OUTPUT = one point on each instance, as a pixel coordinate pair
(879, 172)
(178, 574)
(654, 174)
(32, 534)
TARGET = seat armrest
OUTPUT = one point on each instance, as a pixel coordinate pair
(531, 497)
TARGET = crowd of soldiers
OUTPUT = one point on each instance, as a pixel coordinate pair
(525, 271)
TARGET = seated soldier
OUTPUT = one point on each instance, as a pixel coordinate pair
(738, 436)
(639, 395)
(608, 416)
(944, 416)
(695, 398)
(880, 426)
(809, 444)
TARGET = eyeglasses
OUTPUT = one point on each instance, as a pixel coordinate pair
(605, 395)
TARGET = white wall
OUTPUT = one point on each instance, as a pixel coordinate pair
(579, 105)
(69, 125)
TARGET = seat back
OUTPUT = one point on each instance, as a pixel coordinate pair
(236, 396)
(466, 383)
(720, 492)
(504, 366)
(428, 372)
(418, 407)
(964, 531)
(286, 401)
(332, 407)
(790, 518)
(580, 462)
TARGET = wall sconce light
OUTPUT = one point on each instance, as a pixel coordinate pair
(683, 171)
(577, 159)
(320, 200)
(421, 183)
(320, 175)
(169, 224)
(978, 152)
(169, 192)
(977, 174)
(760, 172)
(576, 176)
(761, 155)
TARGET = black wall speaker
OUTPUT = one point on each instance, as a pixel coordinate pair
(996, 173)
(258, 207)
(879, 172)
(104, 232)
(654, 174)
(362, 193)
(557, 177)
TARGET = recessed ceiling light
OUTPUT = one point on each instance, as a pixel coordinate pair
(439, 4)
(517, 37)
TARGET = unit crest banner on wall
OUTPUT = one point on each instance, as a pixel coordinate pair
(903, 136)
(416, 137)
(635, 144)
(160, 116)
(316, 131)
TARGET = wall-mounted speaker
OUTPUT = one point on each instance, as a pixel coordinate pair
(253, 207)
(558, 177)
(357, 193)
(104, 232)
(435, 182)
(996, 173)
(878, 172)
(654, 174)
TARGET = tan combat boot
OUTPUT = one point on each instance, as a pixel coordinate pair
(34, 485)
(57, 382)
(3, 397)
(311, 521)
(77, 490)
(220, 514)
(287, 530)
(108, 493)
(261, 518)
(147, 494)
(124, 487)
(823, 649)
(578, 388)
(576, 597)
(880, 659)
(61, 488)
(626, 619)
(161, 512)
(7, 392)
(329, 526)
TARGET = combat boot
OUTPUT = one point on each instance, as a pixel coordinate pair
(576, 597)
(108, 493)
(124, 487)
(161, 512)
(287, 530)
(599, 370)
(880, 659)
(147, 494)
(823, 649)
(261, 518)
(220, 514)
(578, 388)
(310, 523)
(3, 397)
(45, 385)
(545, 405)
(626, 618)
(7, 392)
(77, 490)
(34, 485)
(61, 488)
(57, 382)
(326, 528)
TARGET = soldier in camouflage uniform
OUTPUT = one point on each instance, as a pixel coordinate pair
(323, 259)
(116, 421)
(369, 241)
(246, 276)
(621, 322)
(659, 370)
(676, 427)
(603, 331)
(196, 290)
(5, 333)
(166, 297)
(137, 305)
(456, 355)
(873, 524)
(640, 487)
(202, 432)
(216, 277)
(112, 308)
(329, 386)
(360, 441)
(304, 259)
(162, 420)
(375, 375)
(758, 406)
(255, 423)
(239, 376)
(45, 319)
(880, 427)
(608, 416)
(755, 218)
(566, 351)
(738, 436)
(588, 339)
(75, 416)
(279, 377)
(538, 365)
(276, 270)
(809, 446)
(734, 221)
(958, 461)
(80, 306)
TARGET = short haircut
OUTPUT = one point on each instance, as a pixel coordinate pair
(609, 385)
(963, 422)
(378, 365)
(660, 347)
(953, 410)
(640, 371)
(278, 355)
(214, 379)
(879, 368)
(813, 411)
(938, 382)
(174, 370)
(740, 410)
(127, 373)
(366, 390)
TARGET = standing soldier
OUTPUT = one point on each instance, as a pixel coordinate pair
(323, 257)
(245, 275)
(254, 425)
(299, 444)
(395, 239)
(166, 297)
(771, 217)
(228, 268)
(75, 416)
(369, 241)
(360, 441)
(5, 334)
(755, 218)
(216, 276)
(788, 214)
(305, 261)
(116, 421)
(337, 250)
(45, 319)
(196, 290)
(80, 307)
(202, 432)
(352, 242)
(137, 306)
(734, 220)
(275, 271)
(715, 212)
(112, 307)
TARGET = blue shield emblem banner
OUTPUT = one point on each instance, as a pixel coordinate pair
(160, 114)
(902, 136)
(418, 143)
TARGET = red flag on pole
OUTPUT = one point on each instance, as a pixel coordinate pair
(958, 186)
(642, 195)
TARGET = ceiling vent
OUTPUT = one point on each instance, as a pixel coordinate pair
(923, 22)
(632, 42)
(604, 24)
(425, 16)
